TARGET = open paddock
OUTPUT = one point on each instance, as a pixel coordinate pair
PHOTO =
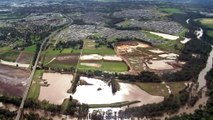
(103, 65)
(25, 58)
(13, 80)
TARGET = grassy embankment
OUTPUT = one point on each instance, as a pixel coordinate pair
(35, 87)
(117, 104)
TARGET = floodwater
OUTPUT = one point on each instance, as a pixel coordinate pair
(99, 57)
(187, 21)
(100, 93)
(201, 77)
(199, 33)
(166, 36)
(56, 92)
(185, 40)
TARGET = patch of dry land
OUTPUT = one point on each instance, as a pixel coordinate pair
(142, 56)
(160, 64)
(14, 64)
(100, 93)
(56, 92)
(13, 80)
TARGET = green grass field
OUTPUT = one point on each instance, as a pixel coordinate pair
(160, 89)
(171, 46)
(170, 10)
(30, 49)
(35, 87)
(117, 104)
(154, 88)
(89, 48)
(206, 22)
(149, 35)
(210, 33)
(176, 87)
(8, 54)
(109, 66)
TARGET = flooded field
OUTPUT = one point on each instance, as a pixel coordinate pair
(100, 93)
(56, 91)
(166, 36)
(13, 80)
(141, 56)
(100, 57)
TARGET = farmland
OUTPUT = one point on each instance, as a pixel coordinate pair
(170, 10)
(210, 33)
(90, 47)
(141, 58)
(206, 22)
(13, 84)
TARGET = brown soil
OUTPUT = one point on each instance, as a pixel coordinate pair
(132, 43)
(13, 80)
(67, 59)
(25, 58)
(12, 90)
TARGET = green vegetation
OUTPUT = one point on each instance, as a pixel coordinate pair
(183, 32)
(91, 47)
(125, 24)
(176, 87)
(206, 22)
(51, 51)
(157, 89)
(101, 51)
(117, 104)
(35, 87)
(8, 54)
(109, 66)
(152, 36)
(206, 113)
(6, 114)
(210, 33)
(76, 78)
(114, 66)
(171, 10)
(171, 46)
(30, 49)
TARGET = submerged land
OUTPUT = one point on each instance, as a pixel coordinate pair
(105, 60)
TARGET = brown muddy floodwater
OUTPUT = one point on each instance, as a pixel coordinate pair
(56, 92)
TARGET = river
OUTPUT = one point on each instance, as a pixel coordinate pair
(201, 81)
(201, 77)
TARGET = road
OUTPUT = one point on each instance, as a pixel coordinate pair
(30, 79)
